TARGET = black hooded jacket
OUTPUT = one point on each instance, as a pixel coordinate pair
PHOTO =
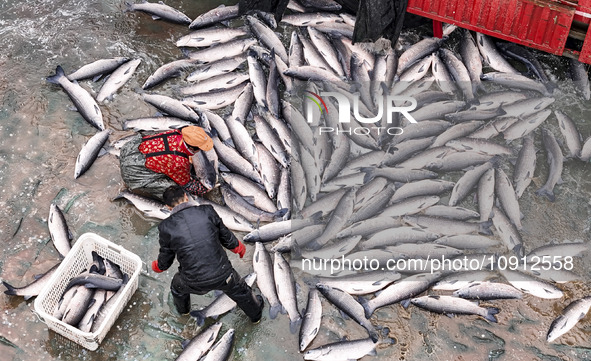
(195, 235)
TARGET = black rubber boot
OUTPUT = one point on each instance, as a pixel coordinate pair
(256, 320)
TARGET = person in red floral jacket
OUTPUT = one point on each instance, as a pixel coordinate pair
(170, 153)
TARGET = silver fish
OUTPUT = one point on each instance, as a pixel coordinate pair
(421, 188)
(83, 101)
(172, 107)
(532, 285)
(97, 68)
(467, 182)
(89, 152)
(401, 290)
(346, 303)
(58, 230)
(467, 241)
(507, 197)
(222, 350)
(263, 267)
(393, 236)
(524, 126)
(156, 123)
(267, 37)
(311, 320)
(444, 211)
(230, 49)
(507, 231)
(205, 170)
(149, 207)
(516, 81)
(555, 163)
(488, 291)
(486, 194)
(159, 11)
(568, 318)
(78, 305)
(416, 52)
(32, 289)
(448, 227)
(456, 306)
(98, 300)
(117, 79)
(210, 36)
(338, 219)
(272, 231)
(241, 206)
(286, 290)
(213, 16)
(580, 78)
(471, 58)
(215, 100)
(525, 165)
(235, 162)
(245, 187)
(570, 133)
(200, 344)
(491, 55)
(212, 69)
(344, 350)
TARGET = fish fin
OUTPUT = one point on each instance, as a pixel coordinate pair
(490, 314)
(560, 181)
(36, 277)
(294, 326)
(199, 317)
(155, 17)
(59, 72)
(185, 343)
(10, 290)
(369, 173)
(485, 228)
(97, 78)
(374, 336)
(546, 193)
(274, 310)
(405, 303)
(366, 307)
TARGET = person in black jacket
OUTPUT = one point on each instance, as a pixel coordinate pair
(196, 236)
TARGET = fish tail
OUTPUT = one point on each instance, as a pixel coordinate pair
(546, 193)
(369, 173)
(485, 228)
(199, 317)
(294, 326)
(59, 73)
(374, 336)
(274, 310)
(490, 314)
(10, 290)
(366, 307)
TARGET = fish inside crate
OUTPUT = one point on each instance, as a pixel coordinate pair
(76, 261)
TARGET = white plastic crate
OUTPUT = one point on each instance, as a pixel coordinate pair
(77, 260)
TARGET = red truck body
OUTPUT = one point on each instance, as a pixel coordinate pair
(541, 24)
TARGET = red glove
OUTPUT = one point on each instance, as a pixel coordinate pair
(240, 250)
(155, 267)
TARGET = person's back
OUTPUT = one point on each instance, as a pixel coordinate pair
(194, 234)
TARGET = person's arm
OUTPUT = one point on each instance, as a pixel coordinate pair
(166, 254)
(227, 238)
(195, 187)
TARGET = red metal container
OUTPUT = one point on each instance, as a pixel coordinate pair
(540, 24)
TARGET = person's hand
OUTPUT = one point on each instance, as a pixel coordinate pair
(155, 267)
(240, 250)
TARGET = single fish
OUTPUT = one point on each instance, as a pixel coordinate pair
(83, 101)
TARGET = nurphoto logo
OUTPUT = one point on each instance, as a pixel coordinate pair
(384, 111)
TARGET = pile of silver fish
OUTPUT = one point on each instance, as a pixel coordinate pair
(339, 190)
(90, 297)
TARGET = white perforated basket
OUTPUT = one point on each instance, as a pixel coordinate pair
(77, 260)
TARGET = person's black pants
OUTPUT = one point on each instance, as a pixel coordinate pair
(233, 286)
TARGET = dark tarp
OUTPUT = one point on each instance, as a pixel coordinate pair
(136, 176)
